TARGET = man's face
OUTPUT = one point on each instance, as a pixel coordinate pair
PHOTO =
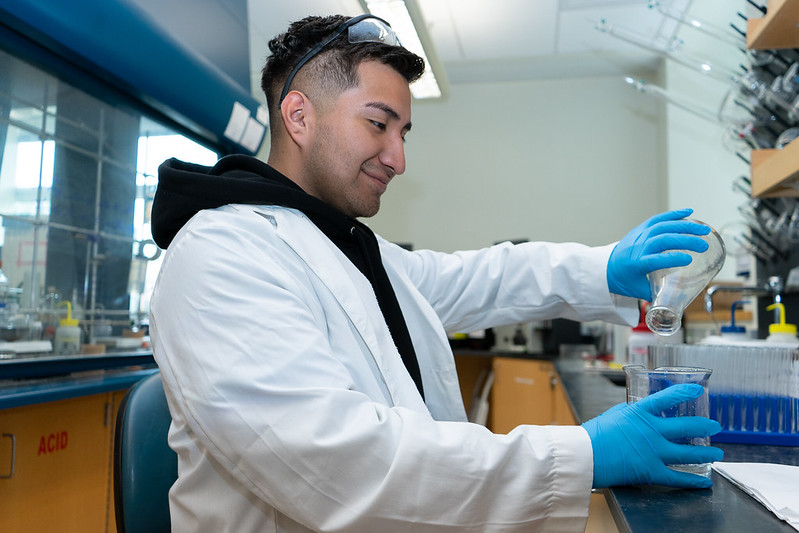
(357, 145)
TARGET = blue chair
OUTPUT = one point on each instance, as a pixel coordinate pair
(145, 467)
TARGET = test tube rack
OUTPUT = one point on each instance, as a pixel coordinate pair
(754, 390)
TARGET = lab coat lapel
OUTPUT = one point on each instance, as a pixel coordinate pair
(318, 252)
(339, 275)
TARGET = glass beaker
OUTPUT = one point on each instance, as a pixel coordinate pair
(674, 288)
(642, 382)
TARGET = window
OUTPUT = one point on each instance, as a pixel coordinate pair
(77, 179)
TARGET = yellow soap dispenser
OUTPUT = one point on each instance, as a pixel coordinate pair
(780, 332)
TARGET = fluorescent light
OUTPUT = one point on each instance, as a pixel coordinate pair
(396, 13)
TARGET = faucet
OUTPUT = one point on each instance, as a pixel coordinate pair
(773, 287)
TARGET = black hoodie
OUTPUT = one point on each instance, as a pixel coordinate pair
(186, 188)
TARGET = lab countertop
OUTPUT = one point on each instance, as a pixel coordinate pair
(723, 508)
(46, 379)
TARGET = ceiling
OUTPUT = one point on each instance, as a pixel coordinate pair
(505, 40)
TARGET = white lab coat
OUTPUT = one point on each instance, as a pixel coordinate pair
(292, 410)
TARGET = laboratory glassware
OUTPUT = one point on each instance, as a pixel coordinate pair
(642, 382)
(722, 34)
(754, 394)
(786, 137)
(674, 288)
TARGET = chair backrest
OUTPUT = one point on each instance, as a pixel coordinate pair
(145, 467)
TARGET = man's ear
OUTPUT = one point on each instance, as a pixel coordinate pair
(297, 112)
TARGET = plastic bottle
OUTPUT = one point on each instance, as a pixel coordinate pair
(67, 334)
(781, 333)
(731, 334)
(640, 339)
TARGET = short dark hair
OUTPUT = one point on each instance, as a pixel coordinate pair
(336, 66)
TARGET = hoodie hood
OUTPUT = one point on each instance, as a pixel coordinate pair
(184, 189)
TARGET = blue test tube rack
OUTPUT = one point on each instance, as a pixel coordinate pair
(753, 391)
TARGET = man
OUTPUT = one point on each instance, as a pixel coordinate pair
(306, 361)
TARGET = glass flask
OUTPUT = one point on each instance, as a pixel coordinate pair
(674, 288)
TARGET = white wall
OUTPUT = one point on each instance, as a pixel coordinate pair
(558, 160)
(701, 168)
(577, 159)
(581, 159)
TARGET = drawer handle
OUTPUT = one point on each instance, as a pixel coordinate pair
(13, 455)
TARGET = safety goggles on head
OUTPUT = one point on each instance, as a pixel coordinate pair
(360, 29)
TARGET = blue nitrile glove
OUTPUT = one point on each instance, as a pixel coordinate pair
(644, 250)
(632, 444)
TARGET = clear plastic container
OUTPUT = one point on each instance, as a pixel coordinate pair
(14, 325)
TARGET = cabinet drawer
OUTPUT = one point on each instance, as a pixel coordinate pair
(60, 465)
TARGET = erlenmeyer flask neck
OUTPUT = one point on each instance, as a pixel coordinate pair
(663, 320)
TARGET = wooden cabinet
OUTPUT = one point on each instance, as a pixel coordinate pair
(564, 412)
(472, 372)
(600, 519)
(115, 400)
(56, 465)
(524, 391)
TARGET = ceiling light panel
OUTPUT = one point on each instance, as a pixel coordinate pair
(396, 12)
(478, 30)
(441, 27)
